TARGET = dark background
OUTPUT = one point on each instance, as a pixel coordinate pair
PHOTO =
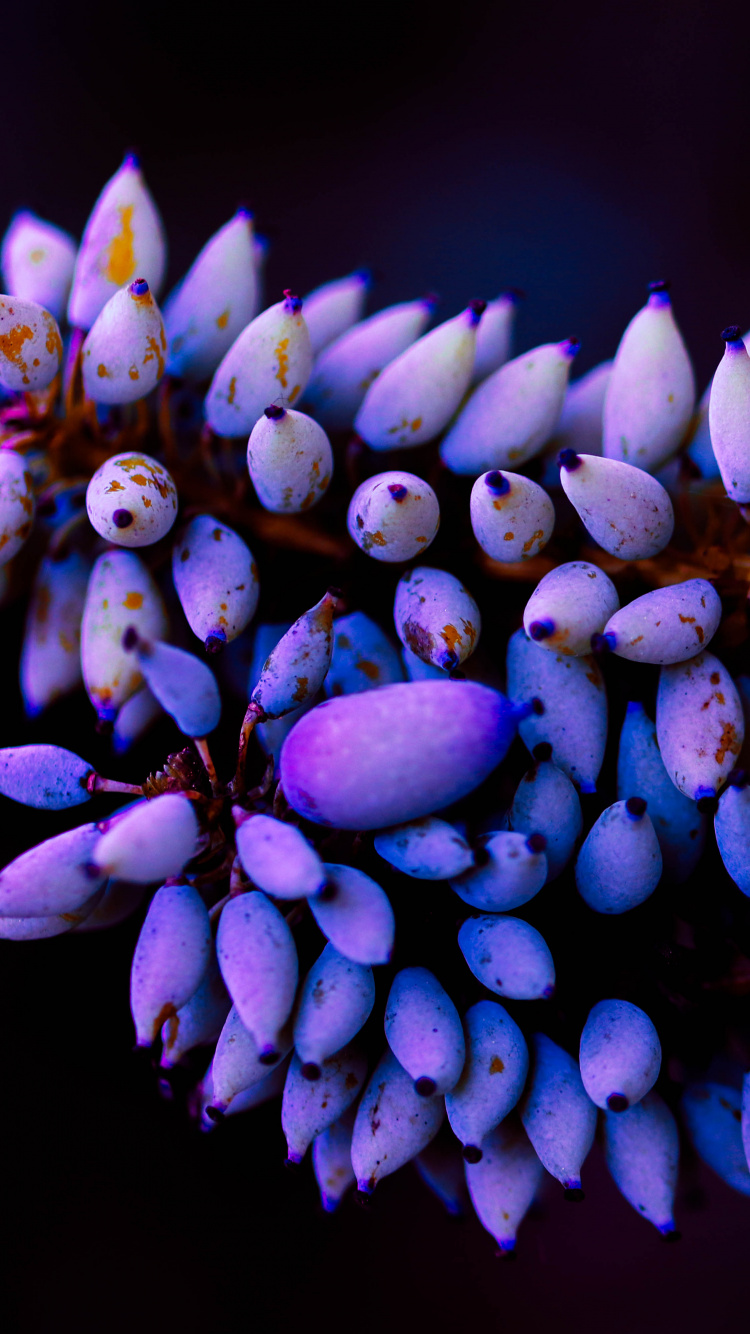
(575, 151)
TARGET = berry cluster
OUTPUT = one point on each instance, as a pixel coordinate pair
(126, 511)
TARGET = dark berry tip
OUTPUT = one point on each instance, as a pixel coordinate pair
(132, 159)
(571, 347)
(449, 660)
(497, 483)
(671, 1235)
(617, 1102)
(274, 412)
(657, 288)
(424, 1086)
(732, 334)
(574, 1194)
(269, 1056)
(327, 892)
(431, 300)
(542, 751)
(139, 287)
(215, 642)
(539, 630)
(707, 801)
(214, 1114)
(130, 639)
(311, 1071)
(472, 1153)
(398, 491)
(244, 211)
(513, 294)
(603, 644)
(537, 706)
(477, 309)
(569, 460)
(635, 807)
(536, 843)
(293, 303)
(122, 518)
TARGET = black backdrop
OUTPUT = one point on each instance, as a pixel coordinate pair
(575, 151)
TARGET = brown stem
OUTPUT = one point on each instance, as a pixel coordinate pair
(238, 883)
(164, 422)
(73, 378)
(264, 786)
(95, 783)
(253, 715)
(280, 803)
(201, 745)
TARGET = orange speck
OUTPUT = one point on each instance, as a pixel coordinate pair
(139, 479)
(496, 1066)
(154, 351)
(120, 262)
(232, 389)
(53, 341)
(222, 320)
(283, 359)
(370, 669)
(451, 636)
(294, 393)
(535, 537)
(133, 601)
(416, 423)
(133, 372)
(114, 486)
(11, 345)
(146, 502)
(509, 537)
(101, 370)
(65, 642)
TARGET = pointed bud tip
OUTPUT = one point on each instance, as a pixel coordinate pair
(617, 1102)
(274, 412)
(536, 843)
(570, 347)
(635, 807)
(424, 1086)
(542, 751)
(601, 645)
(138, 287)
(431, 300)
(132, 159)
(293, 303)
(539, 630)
(569, 460)
(216, 642)
(476, 310)
(244, 211)
(659, 288)
(732, 334)
(497, 483)
(472, 1153)
(513, 294)
(364, 275)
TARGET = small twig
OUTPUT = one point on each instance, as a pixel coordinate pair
(264, 786)
(95, 783)
(253, 715)
(201, 745)
(280, 803)
(238, 882)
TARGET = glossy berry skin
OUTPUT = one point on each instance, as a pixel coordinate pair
(557, 1113)
(51, 653)
(428, 849)
(310, 1106)
(712, 1113)
(727, 417)
(296, 668)
(183, 684)
(355, 915)
(290, 460)
(503, 1183)
(124, 238)
(512, 871)
(149, 841)
(332, 1161)
(216, 579)
(572, 691)
(441, 1168)
(699, 724)
(667, 625)
(678, 824)
(47, 777)
(512, 517)
(436, 617)
(134, 719)
(170, 960)
(237, 1066)
(393, 1124)
(651, 393)
(123, 355)
(120, 593)
(393, 516)
(569, 605)
(270, 362)
(620, 1055)
(30, 345)
(334, 307)
(199, 1020)
(625, 510)
(508, 956)
(363, 657)
(424, 1032)
(732, 828)
(17, 503)
(53, 877)
(547, 803)
(335, 1001)
(345, 369)
(211, 305)
(492, 1080)
(619, 865)
(258, 961)
(278, 858)
(37, 261)
(57, 924)
(582, 418)
(642, 1149)
(377, 759)
(512, 414)
(131, 500)
(495, 335)
(416, 395)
